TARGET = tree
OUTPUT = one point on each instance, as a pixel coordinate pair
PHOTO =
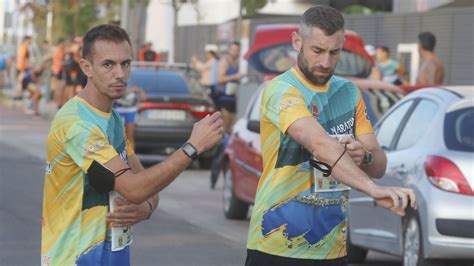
(250, 7)
(73, 17)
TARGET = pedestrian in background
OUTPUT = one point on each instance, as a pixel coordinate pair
(30, 82)
(147, 54)
(75, 77)
(431, 69)
(391, 70)
(5, 62)
(228, 78)
(88, 156)
(208, 69)
(127, 107)
(22, 64)
(300, 212)
(57, 73)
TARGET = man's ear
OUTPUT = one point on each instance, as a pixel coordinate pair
(296, 41)
(86, 67)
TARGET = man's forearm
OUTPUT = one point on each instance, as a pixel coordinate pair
(376, 169)
(145, 184)
(345, 171)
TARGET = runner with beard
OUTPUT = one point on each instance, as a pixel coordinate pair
(300, 212)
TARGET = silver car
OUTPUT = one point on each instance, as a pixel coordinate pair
(428, 137)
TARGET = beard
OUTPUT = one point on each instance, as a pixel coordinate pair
(308, 71)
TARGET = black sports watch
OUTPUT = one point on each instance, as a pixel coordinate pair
(190, 150)
(367, 158)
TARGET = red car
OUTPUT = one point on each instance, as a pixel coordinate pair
(271, 53)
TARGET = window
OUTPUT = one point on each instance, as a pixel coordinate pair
(388, 128)
(459, 129)
(278, 59)
(352, 65)
(255, 111)
(417, 124)
(159, 82)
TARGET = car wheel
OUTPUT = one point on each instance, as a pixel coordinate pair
(355, 254)
(413, 245)
(234, 208)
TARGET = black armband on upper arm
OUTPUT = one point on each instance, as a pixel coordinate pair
(101, 178)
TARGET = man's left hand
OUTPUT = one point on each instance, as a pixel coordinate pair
(354, 148)
(126, 213)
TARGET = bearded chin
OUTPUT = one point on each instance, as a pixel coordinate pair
(304, 68)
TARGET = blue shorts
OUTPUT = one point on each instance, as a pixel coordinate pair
(128, 117)
(102, 255)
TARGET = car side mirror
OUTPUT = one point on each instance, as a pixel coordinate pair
(254, 126)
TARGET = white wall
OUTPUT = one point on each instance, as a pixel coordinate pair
(406, 6)
(211, 12)
(284, 7)
(159, 26)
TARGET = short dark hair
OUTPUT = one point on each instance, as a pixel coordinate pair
(237, 43)
(104, 32)
(326, 18)
(384, 48)
(427, 40)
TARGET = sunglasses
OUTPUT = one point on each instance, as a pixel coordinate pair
(325, 168)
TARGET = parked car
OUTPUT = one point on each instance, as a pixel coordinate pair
(165, 120)
(428, 137)
(271, 53)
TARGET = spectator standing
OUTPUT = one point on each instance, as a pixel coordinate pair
(431, 69)
(208, 69)
(391, 70)
(147, 54)
(228, 78)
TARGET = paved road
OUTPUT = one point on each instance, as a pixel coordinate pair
(188, 229)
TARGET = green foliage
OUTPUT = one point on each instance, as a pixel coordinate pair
(75, 17)
(250, 7)
(72, 17)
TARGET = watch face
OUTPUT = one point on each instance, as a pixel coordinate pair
(189, 150)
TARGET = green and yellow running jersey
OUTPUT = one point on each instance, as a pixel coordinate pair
(74, 214)
(289, 218)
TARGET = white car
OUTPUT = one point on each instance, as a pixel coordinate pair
(428, 137)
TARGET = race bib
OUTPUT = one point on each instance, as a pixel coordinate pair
(120, 236)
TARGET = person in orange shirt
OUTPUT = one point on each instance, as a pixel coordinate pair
(22, 64)
(57, 73)
(147, 54)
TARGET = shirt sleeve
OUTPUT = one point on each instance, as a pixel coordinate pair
(129, 147)
(363, 125)
(85, 142)
(283, 106)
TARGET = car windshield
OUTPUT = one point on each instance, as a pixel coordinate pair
(159, 82)
(280, 58)
(458, 130)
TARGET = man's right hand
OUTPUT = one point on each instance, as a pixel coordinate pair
(207, 132)
(395, 199)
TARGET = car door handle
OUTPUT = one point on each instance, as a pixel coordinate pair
(402, 170)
